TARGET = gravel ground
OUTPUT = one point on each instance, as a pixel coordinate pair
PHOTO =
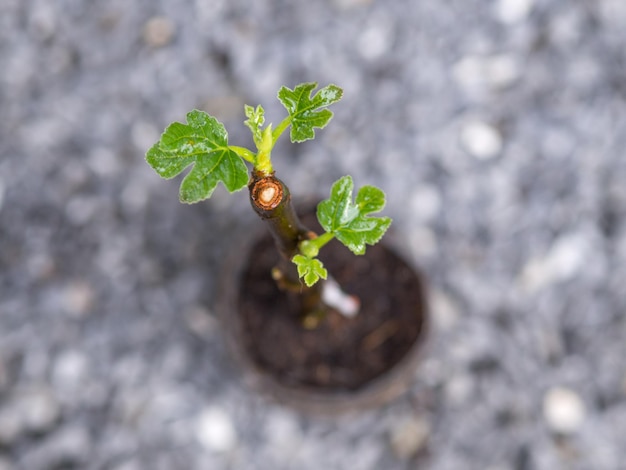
(497, 129)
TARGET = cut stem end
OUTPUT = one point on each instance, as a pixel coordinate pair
(267, 193)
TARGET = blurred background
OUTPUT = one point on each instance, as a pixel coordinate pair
(496, 127)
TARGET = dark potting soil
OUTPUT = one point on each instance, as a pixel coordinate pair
(341, 353)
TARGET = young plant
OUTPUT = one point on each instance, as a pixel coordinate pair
(203, 144)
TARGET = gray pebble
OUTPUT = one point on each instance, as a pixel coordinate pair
(158, 31)
(409, 437)
(481, 140)
(563, 410)
(215, 430)
(38, 408)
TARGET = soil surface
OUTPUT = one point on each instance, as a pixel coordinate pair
(341, 353)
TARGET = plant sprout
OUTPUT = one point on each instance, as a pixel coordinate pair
(202, 143)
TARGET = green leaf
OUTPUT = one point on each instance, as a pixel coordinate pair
(349, 221)
(203, 142)
(370, 199)
(255, 121)
(305, 110)
(310, 269)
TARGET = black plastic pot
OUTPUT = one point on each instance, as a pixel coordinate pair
(237, 296)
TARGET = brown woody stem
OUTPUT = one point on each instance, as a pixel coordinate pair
(271, 200)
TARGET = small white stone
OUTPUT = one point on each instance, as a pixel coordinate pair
(445, 312)
(469, 73)
(39, 409)
(158, 31)
(425, 203)
(481, 140)
(410, 437)
(502, 70)
(69, 369)
(563, 410)
(534, 275)
(374, 42)
(200, 321)
(568, 255)
(215, 430)
(78, 298)
(458, 389)
(513, 11)
(476, 74)
(564, 260)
